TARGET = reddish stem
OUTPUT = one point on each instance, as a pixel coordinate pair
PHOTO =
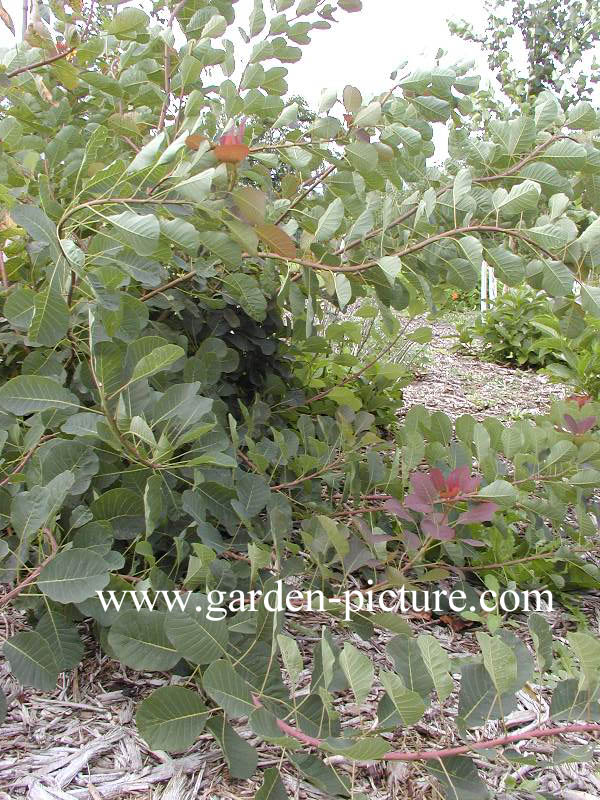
(34, 574)
(431, 755)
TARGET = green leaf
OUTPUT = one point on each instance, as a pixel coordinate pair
(459, 778)
(343, 290)
(20, 307)
(558, 279)
(582, 116)
(138, 639)
(409, 704)
(330, 221)
(541, 634)
(171, 718)
(352, 99)
(359, 672)
(437, 663)
(461, 186)
(73, 575)
(509, 267)
(432, 108)
(223, 684)
(590, 300)
(26, 394)
(272, 786)
(291, 657)
(501, 491)
(194, 636)
(154, 510)
(181, 233)
(587, 650)
(565, 155)
(523, 197)
(369, 116)
(478, 700)
(139, 231)
(408, 663)
(123, 509)
(570, 701)
(158, 360)
(242, 759)
(392, 266)
(500, 662)
(253, 494)
(251, 203)
(362, 156)
(258, 19)
(32, 510)
(38, 226)
(130, 19)
(63, 638)
(32, 661)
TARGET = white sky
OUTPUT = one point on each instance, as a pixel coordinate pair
(363, 48)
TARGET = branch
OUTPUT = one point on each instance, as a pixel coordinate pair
(306, 192)
(355, 375)
(56, 56)
(26, 458)
(43, 62)
(484, 179)
(431, 755)
(107, 202)
(33, 575)
(167, 84)
(304, 478)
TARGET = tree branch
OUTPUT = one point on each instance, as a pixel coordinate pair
(56, 56)
(167, 83)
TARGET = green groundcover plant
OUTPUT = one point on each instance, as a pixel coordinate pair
(174, 415)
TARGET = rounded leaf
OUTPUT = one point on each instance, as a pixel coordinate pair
(171, 718)
(73, 575)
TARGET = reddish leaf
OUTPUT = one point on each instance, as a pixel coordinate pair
(443, 533)
(423, 487)
(455, 623)
(580, 399)
(231, 153)
(415, 503)
(438, 480)
(194, 141)
(482, 512)
(277, 240)
(396, 507)
(580, 427)
(412, 540)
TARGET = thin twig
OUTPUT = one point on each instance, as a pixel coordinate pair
(26, 458)
(34, 574)
(57, 56)
(167, 82)
(306, 192)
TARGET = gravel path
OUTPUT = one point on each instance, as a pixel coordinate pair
(460, 384)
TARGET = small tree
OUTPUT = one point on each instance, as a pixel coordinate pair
(556, 36)
(173, 414)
